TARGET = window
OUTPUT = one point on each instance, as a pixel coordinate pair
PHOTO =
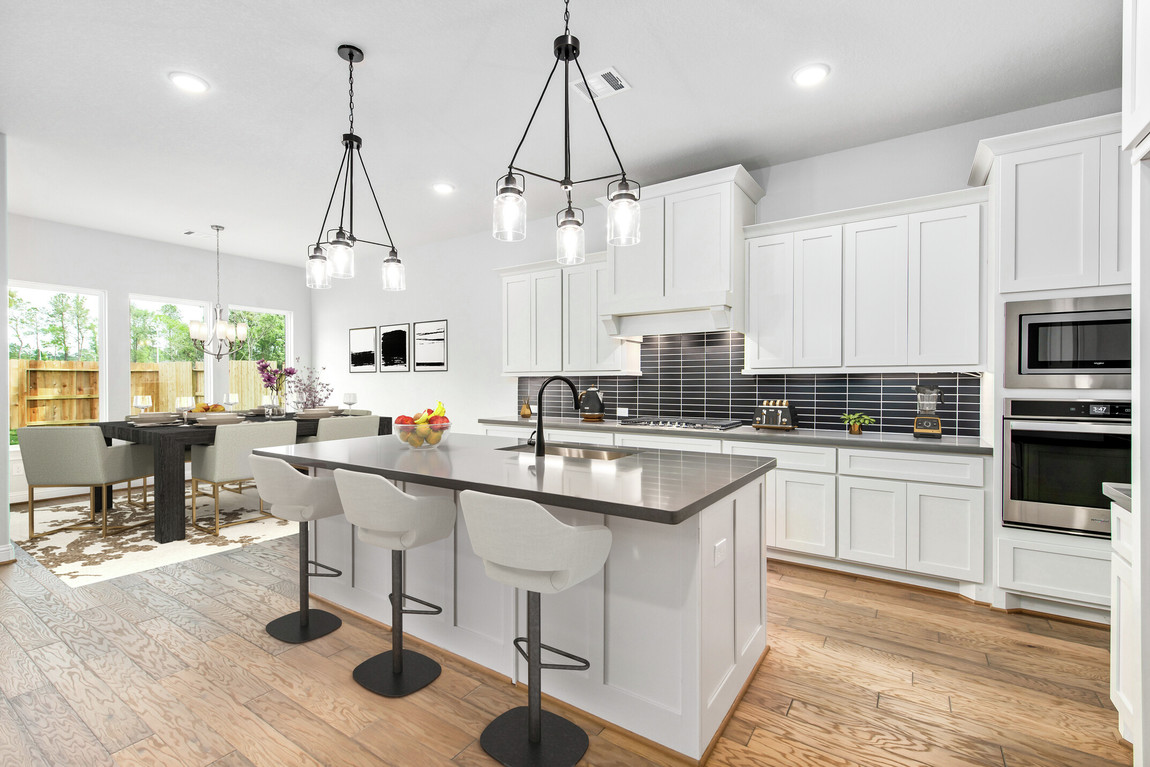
(269, 334)
(164, 363)
(53, 356)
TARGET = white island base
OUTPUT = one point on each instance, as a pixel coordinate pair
(674, 625)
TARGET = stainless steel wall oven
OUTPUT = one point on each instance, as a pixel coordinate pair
(1056, 455)
(1069, 343)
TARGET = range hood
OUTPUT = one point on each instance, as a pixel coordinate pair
(686, 273)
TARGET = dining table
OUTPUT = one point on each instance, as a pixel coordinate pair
(169, 444)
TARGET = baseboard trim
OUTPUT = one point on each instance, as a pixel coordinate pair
(7, 554)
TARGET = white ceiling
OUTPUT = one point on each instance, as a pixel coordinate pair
(98, 137)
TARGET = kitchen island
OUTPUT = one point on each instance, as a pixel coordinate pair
(674, 625)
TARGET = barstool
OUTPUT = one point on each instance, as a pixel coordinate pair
(522, 545)
(299, 498)
(391, 519)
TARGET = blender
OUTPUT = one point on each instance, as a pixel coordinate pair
(926, 422)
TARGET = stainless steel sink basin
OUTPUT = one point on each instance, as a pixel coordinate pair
(593, 452)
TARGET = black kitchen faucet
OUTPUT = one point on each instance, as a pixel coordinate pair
(540, 447)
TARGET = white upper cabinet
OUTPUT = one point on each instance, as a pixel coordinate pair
(1049, 224)
(770, 304)
(686, 273)
(944, 279)
(1062, 211)
(818, 297)
(1136, 76)
(551, 321)
(875, 292)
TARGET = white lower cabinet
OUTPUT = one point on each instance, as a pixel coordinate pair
(1065, 572)
(805, 512)
(1124, 676)
(872, 521)
(658, 442)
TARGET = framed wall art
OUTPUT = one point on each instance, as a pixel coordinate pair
(361, 354)
(430, 345)
(393, 349)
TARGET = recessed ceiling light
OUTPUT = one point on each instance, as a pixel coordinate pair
(444, 188)
(188, 82)
(812, 74)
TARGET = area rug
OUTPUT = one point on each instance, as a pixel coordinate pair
(80, 557)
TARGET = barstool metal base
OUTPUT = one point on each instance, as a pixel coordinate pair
(288, 628)
(377, 674)
(562, 743)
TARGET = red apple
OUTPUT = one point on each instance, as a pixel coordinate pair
(401, 419)
(439, 422)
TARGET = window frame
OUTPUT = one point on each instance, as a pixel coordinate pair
(207, 306)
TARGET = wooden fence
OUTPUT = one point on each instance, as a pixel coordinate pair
(68, 392)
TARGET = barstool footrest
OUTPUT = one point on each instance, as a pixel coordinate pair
(581, 664)
(331, 571)
(435, 609)
(562, 743)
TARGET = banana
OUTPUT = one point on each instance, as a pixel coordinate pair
(439, 409)
(422, 417)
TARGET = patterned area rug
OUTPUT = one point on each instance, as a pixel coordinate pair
(79, 557)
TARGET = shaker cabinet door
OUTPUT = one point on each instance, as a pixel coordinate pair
(875, 292)
(547, 300)
(770, 302)
(580, 317)
(805, 512)
(697, 240)
(944, 277)
(517, 324)
(637, 270)
(818, 279)
(872, 521)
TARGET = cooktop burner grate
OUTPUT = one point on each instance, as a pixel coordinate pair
(704, 424)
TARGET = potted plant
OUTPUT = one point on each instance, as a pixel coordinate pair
(855, 421)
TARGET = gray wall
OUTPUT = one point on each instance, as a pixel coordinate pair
(119, 265)
(921, 164)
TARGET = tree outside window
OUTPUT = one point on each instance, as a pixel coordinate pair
(165, 364)
(267, 340)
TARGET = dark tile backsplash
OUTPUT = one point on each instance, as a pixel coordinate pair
(696, 375)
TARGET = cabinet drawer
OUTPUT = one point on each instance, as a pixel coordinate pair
(798, 457)
(506, 431)
(1045, 569)
(656, 442)
(579, 437)
(927, 467)
(1122, 532)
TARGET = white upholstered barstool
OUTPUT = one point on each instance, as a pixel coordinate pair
(299, 498)
(392, 519)
(522, 545)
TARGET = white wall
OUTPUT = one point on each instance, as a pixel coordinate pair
(119, 265)
(920, 164)
(451, 280)
(6, 551)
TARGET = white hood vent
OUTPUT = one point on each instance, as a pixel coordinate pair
(605, 83)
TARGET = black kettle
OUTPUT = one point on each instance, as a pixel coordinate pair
(591, 405)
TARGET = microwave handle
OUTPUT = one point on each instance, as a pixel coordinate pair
(1071, 427)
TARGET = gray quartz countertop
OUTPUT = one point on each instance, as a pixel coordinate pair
(1121, 494)
(665, 486)
(820, 437)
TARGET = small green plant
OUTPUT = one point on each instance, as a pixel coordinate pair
(856, 419)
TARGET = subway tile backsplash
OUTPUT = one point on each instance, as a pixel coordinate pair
(696, 375)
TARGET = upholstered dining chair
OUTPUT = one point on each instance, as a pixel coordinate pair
(77, 456)
(227, 460)
(345, 428)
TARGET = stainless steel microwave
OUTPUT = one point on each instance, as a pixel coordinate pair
(1068, 343)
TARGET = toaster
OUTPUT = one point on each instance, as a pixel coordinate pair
(775, 414)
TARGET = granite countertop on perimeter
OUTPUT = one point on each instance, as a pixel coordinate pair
(818, 437)
(665, 486)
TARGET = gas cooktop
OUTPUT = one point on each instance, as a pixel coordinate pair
(704, 424)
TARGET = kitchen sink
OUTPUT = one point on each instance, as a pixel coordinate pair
(592, 452)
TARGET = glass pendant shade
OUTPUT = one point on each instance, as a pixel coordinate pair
(623, 221)
(242, 331)
(318, 270)
(509, 218)
(394, 273)
(341, 255)
(198, 330)
(570, 245)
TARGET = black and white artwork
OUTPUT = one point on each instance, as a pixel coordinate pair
(393, 349)
(431, 345)
(361, 350)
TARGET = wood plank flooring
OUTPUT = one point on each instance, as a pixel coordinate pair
(172, 667)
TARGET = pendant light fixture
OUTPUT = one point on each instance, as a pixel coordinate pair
(333, 255)
(509, 219)
(222, 338)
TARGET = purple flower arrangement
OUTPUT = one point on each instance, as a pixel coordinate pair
(306, 390)
(274, 378)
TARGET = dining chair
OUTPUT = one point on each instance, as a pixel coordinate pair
(227, 460)
(345, 428)
(77, 456)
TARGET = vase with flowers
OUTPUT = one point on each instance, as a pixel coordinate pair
(275, 381)
(306, 390)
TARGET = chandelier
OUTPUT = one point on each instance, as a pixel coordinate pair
(223, 338)
(333, 254)
(509, 220)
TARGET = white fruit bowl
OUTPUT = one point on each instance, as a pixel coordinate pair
(421, 436)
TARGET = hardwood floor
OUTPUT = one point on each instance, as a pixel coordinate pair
(173, 667)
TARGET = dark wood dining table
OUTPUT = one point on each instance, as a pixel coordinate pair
(169, 444)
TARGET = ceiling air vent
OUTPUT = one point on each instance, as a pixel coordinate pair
(604, 83)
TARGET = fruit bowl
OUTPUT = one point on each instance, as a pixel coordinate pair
(422, 436)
